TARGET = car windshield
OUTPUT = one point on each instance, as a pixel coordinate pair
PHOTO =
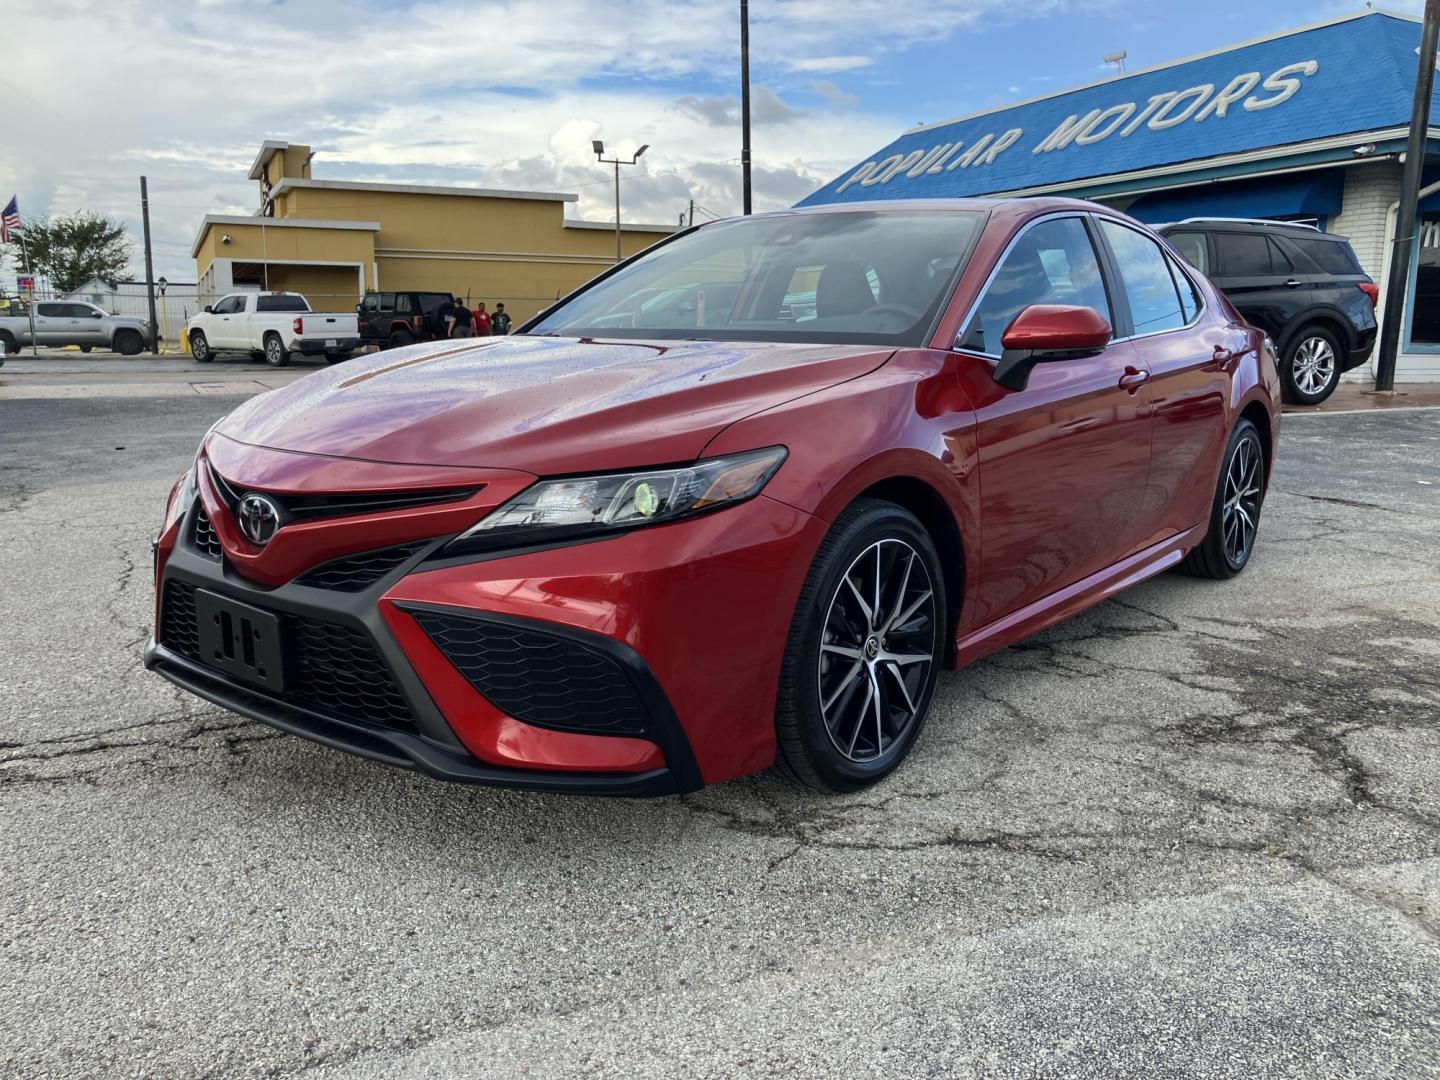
(848, 276)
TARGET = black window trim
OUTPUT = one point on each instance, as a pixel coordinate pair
(1101, 256)
(1171, 260)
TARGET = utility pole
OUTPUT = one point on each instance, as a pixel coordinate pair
(1396, 283)
(149, 267)
(745, 204)
(598, 145)
(689, 221)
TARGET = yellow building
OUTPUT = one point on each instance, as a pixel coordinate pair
(333, 240)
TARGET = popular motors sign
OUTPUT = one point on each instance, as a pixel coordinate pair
(1348, 76)
(1160, 112)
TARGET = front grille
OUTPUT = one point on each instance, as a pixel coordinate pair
(331, 669)
(341, 504)
(537, 677)
(202, 535)
(356, 572)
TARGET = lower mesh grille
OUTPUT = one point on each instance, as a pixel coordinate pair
(203, 536)
(331, 669)
(356, 572)
(538, 678)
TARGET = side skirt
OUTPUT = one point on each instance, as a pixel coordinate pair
(1075, 598)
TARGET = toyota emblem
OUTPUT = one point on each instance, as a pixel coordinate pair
(258, 517)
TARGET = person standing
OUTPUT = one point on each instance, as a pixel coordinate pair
(482, 321)
(462, 326)
(500, 321)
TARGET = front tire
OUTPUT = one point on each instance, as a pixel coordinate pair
(337, 357)
(276, 355)
(9, 344)
(864, 652)
(84, 348)
(200, 348)
(1310, 369)
(1235, 510)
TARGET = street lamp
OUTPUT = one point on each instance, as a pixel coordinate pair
(164, 315)
(599, 146)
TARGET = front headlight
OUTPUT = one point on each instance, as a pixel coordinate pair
(584, 506)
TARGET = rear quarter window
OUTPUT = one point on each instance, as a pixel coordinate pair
(1192, 248)
(1331, 256)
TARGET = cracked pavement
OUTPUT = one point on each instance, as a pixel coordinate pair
(1193, 832)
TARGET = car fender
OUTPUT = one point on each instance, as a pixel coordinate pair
(1334, 319)
(907, 420)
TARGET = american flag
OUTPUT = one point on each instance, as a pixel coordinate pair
(9, 219)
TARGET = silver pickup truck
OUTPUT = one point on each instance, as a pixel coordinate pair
(70, 322)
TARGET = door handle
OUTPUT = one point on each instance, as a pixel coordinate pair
(1133, 379)
(1293, 283)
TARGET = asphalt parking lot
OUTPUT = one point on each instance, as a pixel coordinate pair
(1192, 833)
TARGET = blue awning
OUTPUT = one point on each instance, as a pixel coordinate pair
(1309, 194)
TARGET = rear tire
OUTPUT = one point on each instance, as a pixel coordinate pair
(9, 345)
(864, 652)
(1310, 368)
(128, 342)
(200, 347)
(399, 339)
(1234, 512)
(276, 355)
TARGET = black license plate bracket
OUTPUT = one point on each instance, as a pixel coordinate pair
(240, 640)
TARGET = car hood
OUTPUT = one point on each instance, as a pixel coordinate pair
(540, 404)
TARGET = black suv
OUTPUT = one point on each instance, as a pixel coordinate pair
(393, 319)
(1301, 286)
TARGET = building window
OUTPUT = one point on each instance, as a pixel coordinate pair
(1425, 294)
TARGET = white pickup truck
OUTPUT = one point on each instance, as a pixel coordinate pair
(271, 325)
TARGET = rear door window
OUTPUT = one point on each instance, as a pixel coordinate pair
(1052, 263)
(1149, 287)
(403, 305)
(52, 311)
(1244, 254)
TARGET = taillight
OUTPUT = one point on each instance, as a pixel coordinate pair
(299, 325)
(1370, 289)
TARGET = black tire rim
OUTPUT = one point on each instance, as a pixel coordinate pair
(876, 650)
(1240, 513)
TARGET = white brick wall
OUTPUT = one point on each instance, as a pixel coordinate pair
(1369, 191)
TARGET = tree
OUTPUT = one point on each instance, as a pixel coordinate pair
(73, 248)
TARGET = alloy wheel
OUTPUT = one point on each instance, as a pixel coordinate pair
(1241, 513)
(1314, 366)
(876, 650)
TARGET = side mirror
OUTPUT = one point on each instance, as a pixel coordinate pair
(359, 309)
(209, 310)
(97, 314)
(1046, 333)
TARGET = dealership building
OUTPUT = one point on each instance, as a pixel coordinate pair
(336, 239)
(1308, 125)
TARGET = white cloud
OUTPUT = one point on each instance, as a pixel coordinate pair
(481, 92)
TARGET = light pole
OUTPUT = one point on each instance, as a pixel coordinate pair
(745, 107)
(617, 161)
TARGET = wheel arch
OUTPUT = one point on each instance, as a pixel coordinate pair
(1326, 319)
(929, 506)
(1256, 412)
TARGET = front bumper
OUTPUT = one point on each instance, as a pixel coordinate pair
(690, 619)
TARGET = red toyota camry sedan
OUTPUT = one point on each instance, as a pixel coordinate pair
(732, 504)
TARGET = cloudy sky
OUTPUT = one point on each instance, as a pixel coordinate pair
(97, 92)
